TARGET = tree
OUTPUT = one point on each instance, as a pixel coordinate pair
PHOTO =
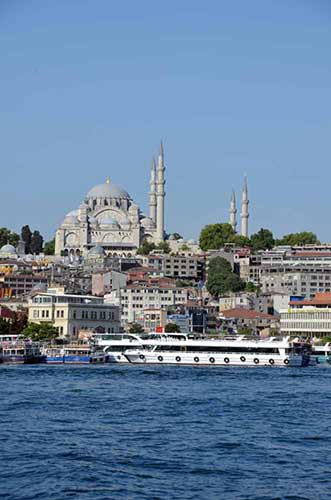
(240, 241)
(184, 248)
(250, 287)
(42, 331)
(163, 246)
(19, 322)
(221, 278)
(262, 240)
(49, 247)
(146, 248)
(214, 236)
(26, 236)
(136, 328)
(303, 238)
(37, 241)
(7, 236)
(172, 328)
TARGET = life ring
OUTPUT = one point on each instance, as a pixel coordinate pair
(160, 358)
(196, 359)
(226, 360)
(178, 358)
(212, 360)
(243, 359)
(141, 356)
(286, 361)
(256, 361)
(272, 361)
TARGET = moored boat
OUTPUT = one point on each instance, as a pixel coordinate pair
(21, 352)
(231, 351)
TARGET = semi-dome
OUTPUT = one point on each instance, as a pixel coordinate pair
(96, 250)
(109, 221)
(147, 223)
(107, 190)
(8, 250)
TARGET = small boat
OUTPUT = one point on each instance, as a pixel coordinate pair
(22, 353)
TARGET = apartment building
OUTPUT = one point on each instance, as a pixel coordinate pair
(72, 314)
(307, 317)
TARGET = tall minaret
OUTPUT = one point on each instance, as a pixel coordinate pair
(152, 193)
(244, 210)
(233, 212)
(160, 194)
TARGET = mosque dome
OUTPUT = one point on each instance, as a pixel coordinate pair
(71, 217)
(8, 250)
(108, 190)
(147, 223)
(97, 250)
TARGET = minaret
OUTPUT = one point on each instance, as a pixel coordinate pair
(152, 193)
(160, 194)
(244, 210)
(233, 212)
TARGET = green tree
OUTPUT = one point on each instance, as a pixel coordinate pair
(214, 236)
(37, 241)
(184, 248)
(262, 240)
(7, 236)
(221, 278)
(136, 328)
(49, 247)
(163, 246)
(250, 287)
(26, 236)
(172, 328)
(146, 248)
(240, 241)
(42, 331)
(303, 238)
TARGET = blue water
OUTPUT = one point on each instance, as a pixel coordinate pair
(133, 432)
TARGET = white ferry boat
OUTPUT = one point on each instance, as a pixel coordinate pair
(110, 347)
(231, 351)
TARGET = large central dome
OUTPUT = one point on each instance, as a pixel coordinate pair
(108, 190)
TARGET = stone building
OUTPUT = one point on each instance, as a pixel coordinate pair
(108, 222)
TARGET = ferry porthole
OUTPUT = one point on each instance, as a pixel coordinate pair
(160, 358)
(226, 360)
(178, 358)
(286, 361)
(242, 358)
(141, 356)
(256, 361)
(118, 357)
(271, 361)
(212, 360)
(196, 359)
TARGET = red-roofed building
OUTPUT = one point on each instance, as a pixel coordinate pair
(247, 318)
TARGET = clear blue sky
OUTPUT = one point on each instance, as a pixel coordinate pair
(88, 88)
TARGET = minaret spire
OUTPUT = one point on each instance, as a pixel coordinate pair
(244, 209)
(152, 192)
(233, 212)
(160, 195)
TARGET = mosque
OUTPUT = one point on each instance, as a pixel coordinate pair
(108, 222)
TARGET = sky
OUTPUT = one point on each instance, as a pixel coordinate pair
(89, 87)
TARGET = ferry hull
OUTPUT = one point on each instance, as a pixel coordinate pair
(23, 360)
(208, 359)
